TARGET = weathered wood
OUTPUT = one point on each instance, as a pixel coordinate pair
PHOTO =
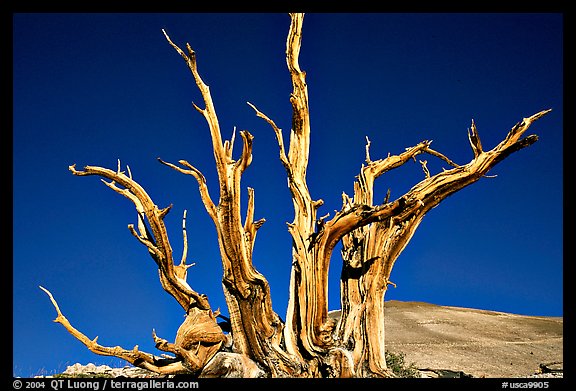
(309, 343)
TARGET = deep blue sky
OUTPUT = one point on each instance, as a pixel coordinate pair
(93, 88)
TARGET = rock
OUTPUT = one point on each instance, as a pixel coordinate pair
(442, 373)
(553, 367)
(91, 370)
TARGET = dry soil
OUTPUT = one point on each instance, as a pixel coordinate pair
(477, 342)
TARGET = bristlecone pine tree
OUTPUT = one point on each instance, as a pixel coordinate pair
(309, 343)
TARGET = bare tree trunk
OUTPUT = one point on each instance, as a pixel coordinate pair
(310, 343)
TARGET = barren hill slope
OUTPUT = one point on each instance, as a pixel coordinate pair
(477, 342)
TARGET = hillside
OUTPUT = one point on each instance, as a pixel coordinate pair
(476, 342)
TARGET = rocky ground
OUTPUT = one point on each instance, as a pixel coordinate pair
(443, 341)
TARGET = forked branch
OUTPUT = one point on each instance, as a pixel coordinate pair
(371, 250)
(172, 277)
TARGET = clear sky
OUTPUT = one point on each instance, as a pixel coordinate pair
(89, 89)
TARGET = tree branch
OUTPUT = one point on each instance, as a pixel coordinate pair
(208, 112)
(201, 179)
(134, 356)
(475, 140)
(159, 246)
(279, 138)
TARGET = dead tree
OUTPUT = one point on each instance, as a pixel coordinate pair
(309, 343)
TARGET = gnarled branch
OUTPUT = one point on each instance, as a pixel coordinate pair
(134, 356)
(371, 250)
